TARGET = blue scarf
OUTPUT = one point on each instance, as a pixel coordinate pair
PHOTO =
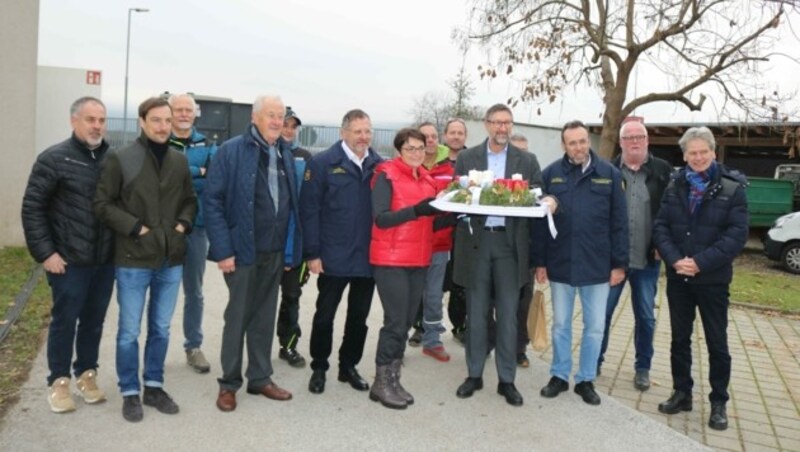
(698, 184)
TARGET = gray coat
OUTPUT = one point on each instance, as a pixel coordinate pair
(517, 229)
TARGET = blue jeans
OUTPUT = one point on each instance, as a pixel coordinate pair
(593, 303)
(80, 302)
(132, 287)
(644, 283)
(432, 322)
(193, 269)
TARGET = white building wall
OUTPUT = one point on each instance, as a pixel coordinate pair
(19, 41)
(57, 88)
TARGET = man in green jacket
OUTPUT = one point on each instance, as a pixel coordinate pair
(145, 195)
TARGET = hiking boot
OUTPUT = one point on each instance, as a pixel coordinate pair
(197, 360)
(719, 418)
(416, 339)
(292, 356)
(383, 390)
(87, 386)
(438, 353)
(132, 408)
(59, 397)
(158, 398)
(394, 368)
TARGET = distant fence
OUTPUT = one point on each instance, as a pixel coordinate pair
(314, 138)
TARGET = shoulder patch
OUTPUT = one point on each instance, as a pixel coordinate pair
(338, 170)
(601, 181)
(557, 180)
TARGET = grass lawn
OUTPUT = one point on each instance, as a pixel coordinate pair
(760, 281)
(22, 344)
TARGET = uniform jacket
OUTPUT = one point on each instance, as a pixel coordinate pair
(592, 223)
(57, 211)
(133, 190)
(336, 211)
(468, 242)
(230, 196)
(199, 153)
(714, 235)
(408, 244)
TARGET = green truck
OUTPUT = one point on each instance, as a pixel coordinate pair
(768, 199)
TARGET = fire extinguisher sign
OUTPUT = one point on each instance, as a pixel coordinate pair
(93, 77)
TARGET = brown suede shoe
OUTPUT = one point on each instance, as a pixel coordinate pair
(226, 401)
(271, 391)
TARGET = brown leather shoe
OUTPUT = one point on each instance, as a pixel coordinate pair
(226, 401)
(271, 391)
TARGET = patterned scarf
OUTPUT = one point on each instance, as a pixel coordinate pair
(698, 183)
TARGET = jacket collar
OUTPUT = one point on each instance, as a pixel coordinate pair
(82, 146)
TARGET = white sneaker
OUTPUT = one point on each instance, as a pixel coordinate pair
(87, 387)
(59, 397)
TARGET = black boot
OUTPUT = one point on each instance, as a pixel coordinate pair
(719, 418)
(679, 401)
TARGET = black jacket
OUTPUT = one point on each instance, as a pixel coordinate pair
(713, 236)
(57, 211)
(657, 172)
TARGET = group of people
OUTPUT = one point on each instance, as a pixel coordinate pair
(268, 213)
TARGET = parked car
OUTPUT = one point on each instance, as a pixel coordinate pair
(782, 242)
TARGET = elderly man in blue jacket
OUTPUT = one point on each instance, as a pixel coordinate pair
(250, 197)
(336, 214)
(589, 254)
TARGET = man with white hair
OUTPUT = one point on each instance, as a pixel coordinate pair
(251, 194)
(199, 151)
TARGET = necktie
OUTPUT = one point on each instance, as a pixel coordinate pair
(272, 176)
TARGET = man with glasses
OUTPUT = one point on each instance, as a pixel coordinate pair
(493, 259)
(645, 177)
(336, 215)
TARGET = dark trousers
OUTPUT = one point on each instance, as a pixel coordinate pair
(525, 297)
(400, 290)
(359, 300)
(289, 312)
(250, 316)
(80, 301)
(712, 302)
(457, 303)
(495, 277)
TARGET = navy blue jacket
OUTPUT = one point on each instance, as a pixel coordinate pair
(336, 212)
(592, 224)
(230, 198)
(713, 236)
(199, 153)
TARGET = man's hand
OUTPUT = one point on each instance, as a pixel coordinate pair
(617, 276)
(55, 264)
(315, 266)
(686, 267)
(541, 275)
(550, 202)
(144, 230)
(180, 228)
(227, 265)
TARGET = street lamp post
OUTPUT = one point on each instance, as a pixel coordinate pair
(127, 58)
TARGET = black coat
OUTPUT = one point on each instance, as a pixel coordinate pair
(57, 211)
(713, 236)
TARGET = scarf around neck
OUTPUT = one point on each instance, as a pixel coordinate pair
(698, 184)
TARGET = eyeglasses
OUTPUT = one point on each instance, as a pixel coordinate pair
(635, 138)
(412, 149)
(499, 123)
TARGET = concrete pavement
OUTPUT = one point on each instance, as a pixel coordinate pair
(341, 418)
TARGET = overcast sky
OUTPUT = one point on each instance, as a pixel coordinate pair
(322, 57)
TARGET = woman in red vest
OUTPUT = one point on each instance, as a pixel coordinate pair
(400, 252)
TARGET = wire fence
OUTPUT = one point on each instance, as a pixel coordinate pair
(311, 137)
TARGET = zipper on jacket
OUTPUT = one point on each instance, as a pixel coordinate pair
(76, 161)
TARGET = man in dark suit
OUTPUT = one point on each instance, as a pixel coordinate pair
(493, 259)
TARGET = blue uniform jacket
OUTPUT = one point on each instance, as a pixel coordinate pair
(713, 236)
(230, 196)
(592, 224)
(336, 212)
(199, 153)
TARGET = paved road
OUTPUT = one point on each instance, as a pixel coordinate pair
(339, 419)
